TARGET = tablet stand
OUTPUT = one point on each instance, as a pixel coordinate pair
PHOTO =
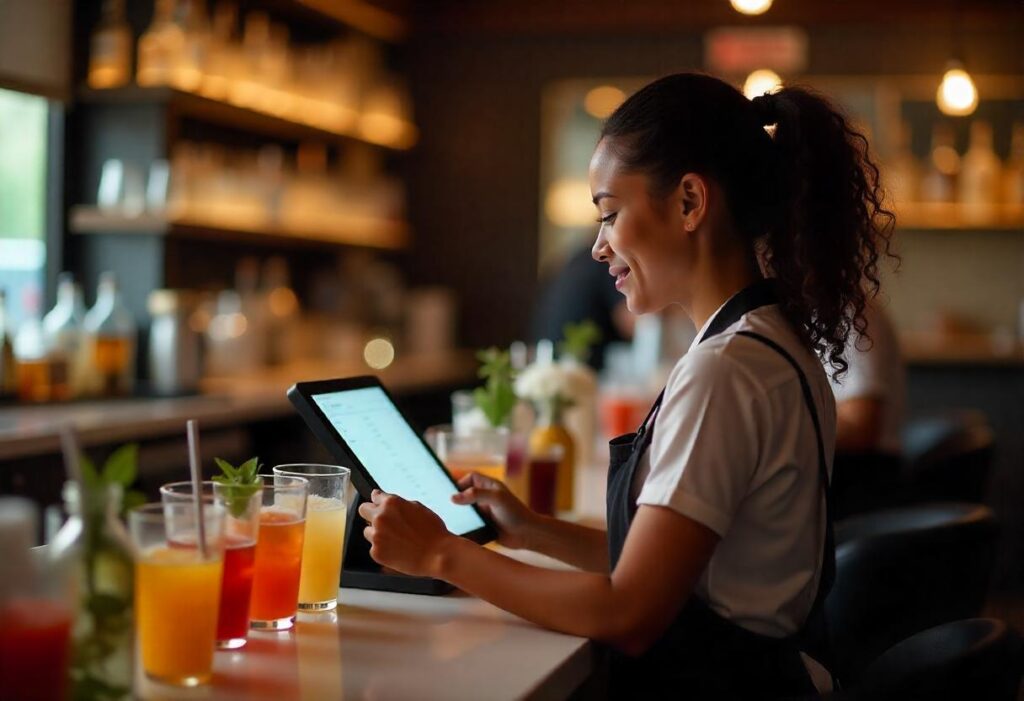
(359, 571)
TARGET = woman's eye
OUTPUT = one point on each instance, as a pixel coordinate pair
(607, 219)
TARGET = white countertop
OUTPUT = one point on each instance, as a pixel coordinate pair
(381, 646)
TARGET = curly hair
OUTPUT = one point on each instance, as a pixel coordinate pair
(804, 192)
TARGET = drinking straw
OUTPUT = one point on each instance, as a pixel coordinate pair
(197, 482)
(72, 459)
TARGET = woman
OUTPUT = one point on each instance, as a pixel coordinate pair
(718, 551)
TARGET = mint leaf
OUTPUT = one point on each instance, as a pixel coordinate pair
(242, 482)
(122, 465)
(90, 477)
(227, 468)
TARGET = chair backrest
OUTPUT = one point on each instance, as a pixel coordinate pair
(948, 457)
(901, 571)
(977, 658)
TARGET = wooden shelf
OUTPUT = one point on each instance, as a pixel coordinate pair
(195, 106)
(954, 216)
(380, 234)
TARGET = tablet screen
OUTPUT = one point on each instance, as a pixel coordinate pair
(390, 450)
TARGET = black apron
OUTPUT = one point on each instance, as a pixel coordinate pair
(703, 655)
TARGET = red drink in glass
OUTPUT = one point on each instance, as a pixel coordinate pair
(34, 648)
(278, 564)
(235, 593)
(542, 477)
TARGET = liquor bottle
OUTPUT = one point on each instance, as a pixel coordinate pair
(981, 175)
(939, 183)
(110, 336)
(903, 170)
(41, 377)
(110, 48)
(222, 55)
(1013, 172)
(160, 46)
(63, 331)
(8, 371)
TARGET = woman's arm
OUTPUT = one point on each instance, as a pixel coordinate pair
(630, 608)
(571, 543)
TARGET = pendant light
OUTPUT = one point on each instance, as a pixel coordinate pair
(956, 95)
(751, 7)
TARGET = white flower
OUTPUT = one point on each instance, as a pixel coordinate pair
(542, 382)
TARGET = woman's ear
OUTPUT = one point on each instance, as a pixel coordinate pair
(692, 196)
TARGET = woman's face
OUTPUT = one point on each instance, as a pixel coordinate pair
(641, 237)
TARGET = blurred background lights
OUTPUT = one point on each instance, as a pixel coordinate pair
(751, 7)
(957, 95)
(761, 81)
(379, 353)
(601, 101)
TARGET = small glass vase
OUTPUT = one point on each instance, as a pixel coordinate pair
(550, 431)
(95, 552)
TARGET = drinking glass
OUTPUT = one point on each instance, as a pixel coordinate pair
(325, 533)
(484, 451)
(277, 568)
(177, 590)
(241, 527)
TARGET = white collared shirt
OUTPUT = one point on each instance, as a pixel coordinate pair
(734, 448)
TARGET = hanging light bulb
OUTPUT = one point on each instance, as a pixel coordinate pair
(956, 95)
(751, 7)
(761, 81)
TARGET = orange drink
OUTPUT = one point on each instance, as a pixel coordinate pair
(278, 563)
(325, 533)
(177, 589)
(176, 602)
(461, 464)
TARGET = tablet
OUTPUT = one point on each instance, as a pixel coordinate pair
(358, 422)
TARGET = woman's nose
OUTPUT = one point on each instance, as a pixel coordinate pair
(600, 251)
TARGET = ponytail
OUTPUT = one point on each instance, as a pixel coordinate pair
(807, 196)
(831, 224)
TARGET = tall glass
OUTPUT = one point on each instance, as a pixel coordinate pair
(177, 590)
(325, 533)
(483, 450)
(275, 586)
(241, 528)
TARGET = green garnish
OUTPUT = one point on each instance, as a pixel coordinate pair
(497, 397)
(121, 467)
(579, 338)
(242, 482)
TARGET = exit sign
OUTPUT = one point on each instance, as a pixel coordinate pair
(736, 50)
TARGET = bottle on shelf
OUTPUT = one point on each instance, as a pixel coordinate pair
(160, 47)
(8, 369)
(222, 56)
(939, 182)
(1013, 172)
(903, 170)
(110, 334)
(110, 48)
(980, 176)
(282, 311)
(63, 331)
(42, 377)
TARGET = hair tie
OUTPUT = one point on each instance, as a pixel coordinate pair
(767, 108)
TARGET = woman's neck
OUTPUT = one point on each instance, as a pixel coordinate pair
(717, 284)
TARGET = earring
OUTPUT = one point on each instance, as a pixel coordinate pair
(689, 226)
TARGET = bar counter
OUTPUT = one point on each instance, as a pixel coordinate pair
(381, 645)
(28, 430)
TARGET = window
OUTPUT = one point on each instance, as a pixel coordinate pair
(23, 158)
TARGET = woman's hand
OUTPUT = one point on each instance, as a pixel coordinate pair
(515, 520)
(404, 535)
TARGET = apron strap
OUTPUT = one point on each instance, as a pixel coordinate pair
(828, 568)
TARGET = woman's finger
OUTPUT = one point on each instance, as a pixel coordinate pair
(369, 533)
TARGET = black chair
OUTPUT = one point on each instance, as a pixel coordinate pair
(978, 659)
(948, 457)
(901, 571)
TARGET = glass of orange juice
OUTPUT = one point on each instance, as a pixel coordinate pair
(278, 563)
(177, 589)
(325, 533)
(482, 450)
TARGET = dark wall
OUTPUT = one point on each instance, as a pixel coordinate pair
(474, 177)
